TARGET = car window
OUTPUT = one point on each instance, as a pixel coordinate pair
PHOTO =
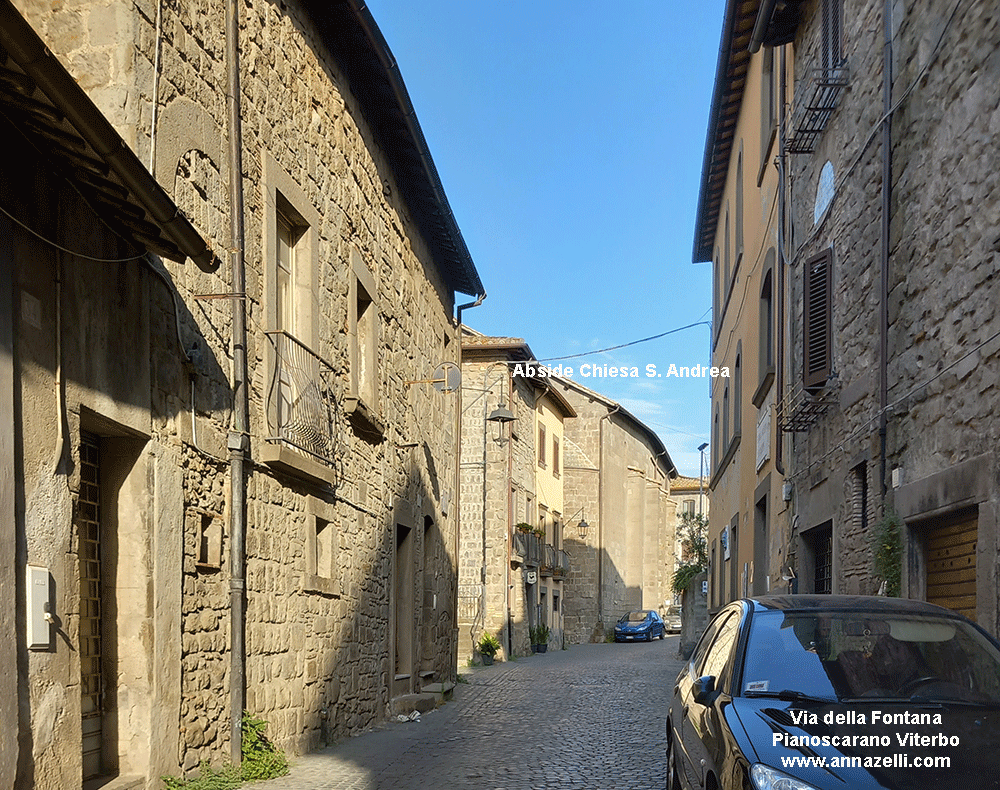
(708, 641)
(717, 658)
(871, 655)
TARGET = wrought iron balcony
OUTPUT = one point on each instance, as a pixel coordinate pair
(548, 560)
(527, 549)
(824, 89)
(561, 568)
(801, 408)
(300, 398)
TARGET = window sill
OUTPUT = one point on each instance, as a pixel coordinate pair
(764, 387)
(364, 420)
(321, 585)
(284, 459)
(734, 445)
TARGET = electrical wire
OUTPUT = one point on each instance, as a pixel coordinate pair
(626, 345)
(67, 251)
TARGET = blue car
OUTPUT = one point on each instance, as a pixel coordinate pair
(642, 624)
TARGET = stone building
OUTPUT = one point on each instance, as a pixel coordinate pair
(739, 230)
(512, 561)
(887, 250)
(690, 496)
(892, 262)
(616, 477)
(202, 538)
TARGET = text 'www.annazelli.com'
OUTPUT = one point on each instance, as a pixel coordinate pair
(868, 761)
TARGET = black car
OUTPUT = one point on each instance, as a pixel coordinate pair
(643, 624)
(821, 692)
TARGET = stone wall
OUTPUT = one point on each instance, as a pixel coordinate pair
(822, 458)
(325, 651)
(611, 473)
(509, 495)
(942, 246)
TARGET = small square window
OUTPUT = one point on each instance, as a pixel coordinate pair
(325, 550)
(209, 541)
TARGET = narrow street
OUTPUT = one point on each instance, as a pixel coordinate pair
(587, 718)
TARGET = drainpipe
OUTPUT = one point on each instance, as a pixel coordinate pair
(458, 467)
(779, 372)
(883, 388)
(239, 443)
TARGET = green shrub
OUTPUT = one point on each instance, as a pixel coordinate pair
(887, 551)
(261, 760)
(488, 644)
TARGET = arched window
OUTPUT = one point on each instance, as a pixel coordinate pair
(725, 418)
(739, 207)
(765, 336)
(738, 390)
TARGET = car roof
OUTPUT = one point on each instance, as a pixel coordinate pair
(847, 603)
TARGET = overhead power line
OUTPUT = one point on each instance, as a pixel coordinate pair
(626, 345)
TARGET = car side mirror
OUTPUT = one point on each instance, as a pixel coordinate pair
(704, 689)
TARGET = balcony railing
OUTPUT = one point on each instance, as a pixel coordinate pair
(548, 560)
(527, 549)
(801, 408)
(561, 567)
(824, 90)
(300, 401)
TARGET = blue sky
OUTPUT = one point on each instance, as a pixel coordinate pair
(569, 137)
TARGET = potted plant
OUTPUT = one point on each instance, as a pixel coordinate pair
(523, 526)
(539, 635)
(488, 646)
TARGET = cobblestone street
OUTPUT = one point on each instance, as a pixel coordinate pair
(588, 718)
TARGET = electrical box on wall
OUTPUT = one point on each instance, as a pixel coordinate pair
(39, 608)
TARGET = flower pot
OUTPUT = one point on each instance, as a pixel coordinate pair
(542, 648)
(487, 661)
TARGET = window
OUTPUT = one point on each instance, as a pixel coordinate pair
(816, 320)
(541, 445)
(320, 534)
(725, 418)
(688, 507)
(325, 556)
(555, 456)
(715, 439)
(819, 557)
(833, 32)
(363, 402)
(761, 545)
(739, 207)
(716, 661)
(716, 291)
(859, 496)
(295, 396)
(209, 541)
(766, 318)
(727, 258)
(768, 119)
(738, 390)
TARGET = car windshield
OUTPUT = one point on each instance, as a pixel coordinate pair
(884, 656)
(635, 617)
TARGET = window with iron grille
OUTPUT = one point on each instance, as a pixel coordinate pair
(822, 545)
(817, 320)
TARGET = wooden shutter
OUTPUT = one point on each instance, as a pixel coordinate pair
(816, 320)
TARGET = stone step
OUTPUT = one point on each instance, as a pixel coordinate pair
(443, 691)
(407, 703)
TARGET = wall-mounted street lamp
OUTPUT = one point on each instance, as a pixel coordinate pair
(583, 526)
(501, 416)
(701, 477)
